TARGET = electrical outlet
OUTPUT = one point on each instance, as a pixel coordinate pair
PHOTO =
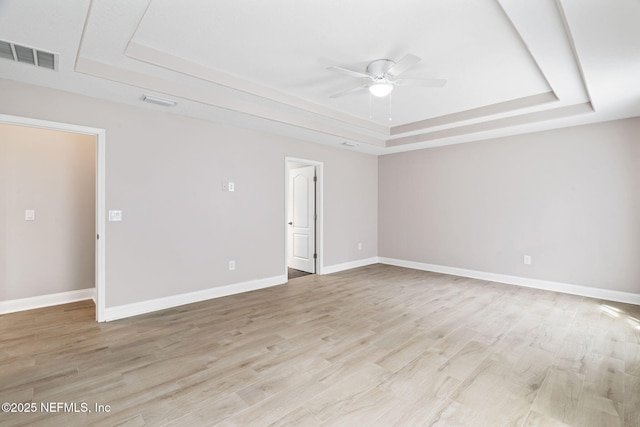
(232, 265)
(527, 259)
(231, 186)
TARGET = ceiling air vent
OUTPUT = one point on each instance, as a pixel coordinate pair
(159, 101)
(27, 55)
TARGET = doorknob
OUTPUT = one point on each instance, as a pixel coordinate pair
(291, 223)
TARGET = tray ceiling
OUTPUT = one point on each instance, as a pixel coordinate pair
(512, 66)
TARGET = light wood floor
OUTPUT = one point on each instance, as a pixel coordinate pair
(378, 345)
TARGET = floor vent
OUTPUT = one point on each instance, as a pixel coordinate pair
(28, 55)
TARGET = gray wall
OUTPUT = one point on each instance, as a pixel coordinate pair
(54, 174)
(179, 229)
(570, 198)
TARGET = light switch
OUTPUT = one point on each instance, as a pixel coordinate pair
(115, 215)
(30, 215)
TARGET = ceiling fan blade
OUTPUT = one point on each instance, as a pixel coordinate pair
(349, 91)
(349, 72)
(421, 82)
(403, 65)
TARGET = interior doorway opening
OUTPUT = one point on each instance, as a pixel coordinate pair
(100, 140)
(303, 217)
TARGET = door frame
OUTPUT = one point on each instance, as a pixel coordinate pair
(100, 245)
(319, 209)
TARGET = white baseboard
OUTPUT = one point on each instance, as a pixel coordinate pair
(22, 304)
(349, 265)
(585, 291)
(142, 307)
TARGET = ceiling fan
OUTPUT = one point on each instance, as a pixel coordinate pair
(381, 76)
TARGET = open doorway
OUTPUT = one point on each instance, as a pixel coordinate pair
(303, 210)
(99, 135)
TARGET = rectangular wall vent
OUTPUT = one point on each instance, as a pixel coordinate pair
(159, 101)
(28, 55)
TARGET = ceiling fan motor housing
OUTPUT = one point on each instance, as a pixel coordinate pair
(378, 68)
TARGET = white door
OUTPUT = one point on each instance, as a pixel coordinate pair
(301, 224)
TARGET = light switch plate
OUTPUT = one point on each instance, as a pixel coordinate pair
(115, 216)
(30, 215)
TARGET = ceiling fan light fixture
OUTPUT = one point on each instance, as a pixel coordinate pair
(380, 89)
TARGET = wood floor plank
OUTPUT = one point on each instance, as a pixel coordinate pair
(465, 361)
(632, 359)
(605, 378)
(632, 400)
(342, 396)
(596, 411)
(493, 395)
(297, 417)
(559, 395)
(377, 345)
(535, 419)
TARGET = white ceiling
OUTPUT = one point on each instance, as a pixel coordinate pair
(512, 66)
